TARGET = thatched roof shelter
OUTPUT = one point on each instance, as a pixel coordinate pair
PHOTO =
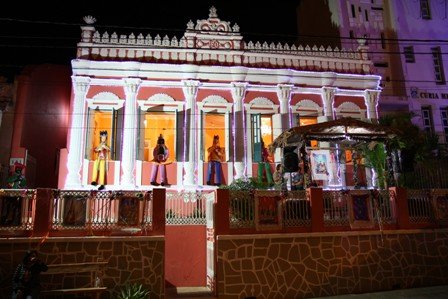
(342, 130)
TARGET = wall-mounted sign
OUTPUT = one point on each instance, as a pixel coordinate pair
(423, 94)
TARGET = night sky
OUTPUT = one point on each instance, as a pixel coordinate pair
(48, 32)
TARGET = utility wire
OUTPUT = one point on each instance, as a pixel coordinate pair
(242, 32)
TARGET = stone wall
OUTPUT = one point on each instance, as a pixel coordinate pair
(324, 264)
(130, 260)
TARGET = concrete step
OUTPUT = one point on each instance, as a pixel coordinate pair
(189, 292)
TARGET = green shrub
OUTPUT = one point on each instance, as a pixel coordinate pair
(133, 291)
(246, 184)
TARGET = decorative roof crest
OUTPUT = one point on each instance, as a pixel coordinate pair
(213, 24)
(212, 13)
(89, 20)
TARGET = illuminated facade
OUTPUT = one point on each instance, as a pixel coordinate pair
(210, 82)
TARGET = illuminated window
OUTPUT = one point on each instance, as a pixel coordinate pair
(104, 120)
(213, 124)
(152, 125)
(261, 130)
(309, 120)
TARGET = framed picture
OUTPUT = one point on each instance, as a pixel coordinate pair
(11, 210)
(75, 207)
(320, 164)
(440, 203)
(268, 210)
(360, 209)
(128, 211)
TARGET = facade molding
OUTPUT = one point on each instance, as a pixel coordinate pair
(105, 100)
(169, 72)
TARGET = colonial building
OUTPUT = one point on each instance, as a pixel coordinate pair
(208, 82)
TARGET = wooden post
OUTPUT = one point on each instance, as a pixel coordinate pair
(42, 213)
(401, 207)
(317, 209)
(222, 215)
(158, 211)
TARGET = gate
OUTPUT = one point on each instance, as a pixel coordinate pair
(185, 238)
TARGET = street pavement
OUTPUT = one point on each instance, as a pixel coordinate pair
(436, 292)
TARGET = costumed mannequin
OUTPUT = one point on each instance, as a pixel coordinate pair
(215, 155)
(161, 154)
(17, 180)
(100, 165)
(26, 277)
(279, 179)
(264, 165)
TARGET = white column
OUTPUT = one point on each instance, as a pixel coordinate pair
(371, 99)
(131, 86)
(190, 89)
(238, 90)
(77, 131)
(282, 121)
(284, 97)
(328, 101)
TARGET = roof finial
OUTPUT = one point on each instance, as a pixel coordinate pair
(89, 20)
(212, 13)
(190, 25)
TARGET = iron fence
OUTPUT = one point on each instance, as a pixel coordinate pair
(17, 208)
(92, 210)
(185, 208)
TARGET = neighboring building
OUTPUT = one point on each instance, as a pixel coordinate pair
(7, 92)
(407, 41)
(210, 82)
(421, 28)
(39, 122)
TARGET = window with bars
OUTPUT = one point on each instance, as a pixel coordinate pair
(444, 115)
(425, 12)
(427, 119)
(409, 54)
(438, 65)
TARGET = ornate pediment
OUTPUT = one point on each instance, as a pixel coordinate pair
(261, 101)
(348, 106)
(213, 23)
(213, 33)
(214, 100)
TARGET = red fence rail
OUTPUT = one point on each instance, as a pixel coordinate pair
(317, 210)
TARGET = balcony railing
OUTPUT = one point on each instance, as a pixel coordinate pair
(17, 210)
(47, 212)
(330, 210)
(101, 211)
